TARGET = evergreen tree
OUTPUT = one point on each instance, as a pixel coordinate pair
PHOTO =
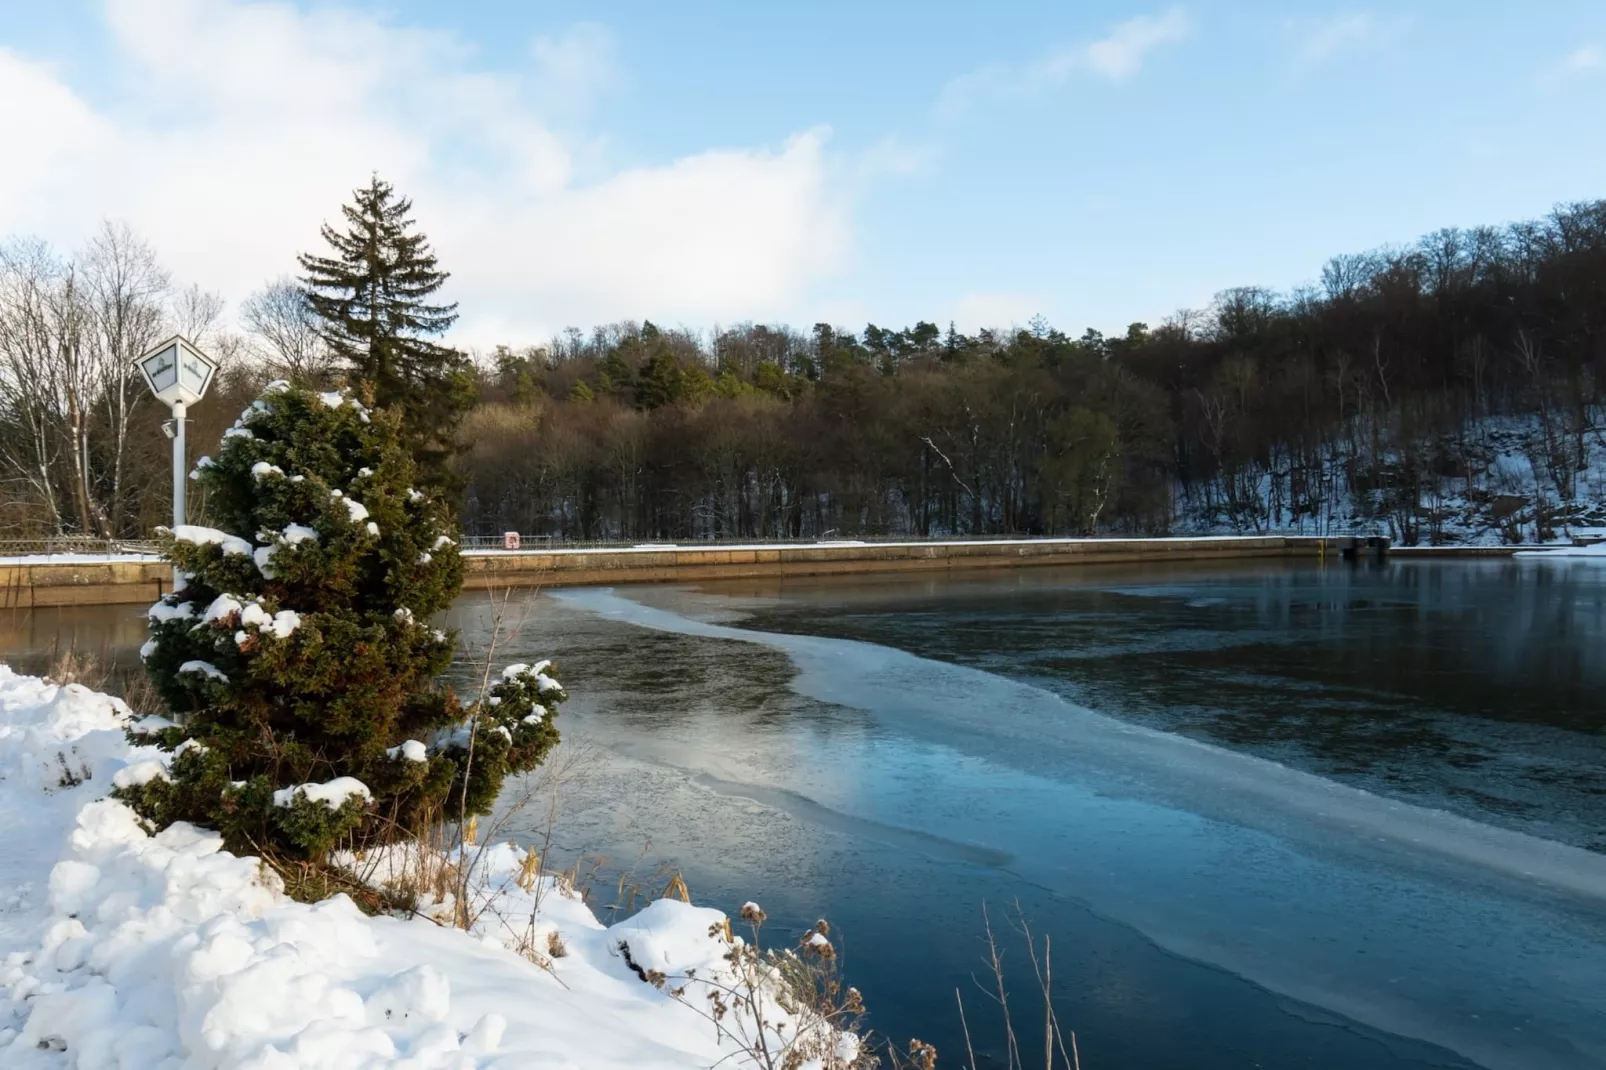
(661, 381)
(372, 298)
(297, 660)
(614, 374)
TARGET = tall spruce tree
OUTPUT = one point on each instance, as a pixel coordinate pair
(300, 668)
(372, 297)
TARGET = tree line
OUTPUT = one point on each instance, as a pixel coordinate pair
(1393, 393)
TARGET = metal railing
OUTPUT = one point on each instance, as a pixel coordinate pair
(76, 545)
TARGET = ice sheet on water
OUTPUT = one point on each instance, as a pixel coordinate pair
(1312, 888)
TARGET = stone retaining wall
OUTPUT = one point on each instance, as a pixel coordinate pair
(97, 584)
(684, 564)
(45, 583)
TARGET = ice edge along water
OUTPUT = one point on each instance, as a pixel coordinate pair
(1461, 860)
(1562, 867)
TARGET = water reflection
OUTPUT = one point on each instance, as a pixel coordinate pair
(31, 638)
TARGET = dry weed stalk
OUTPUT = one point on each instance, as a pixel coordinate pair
(99, 673)
(1055, 1054)
(466, 832)
(783, 1009)
(437, 864)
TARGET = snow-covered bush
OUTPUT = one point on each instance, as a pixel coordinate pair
(298, 661)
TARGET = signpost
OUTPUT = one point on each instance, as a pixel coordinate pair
(178, 374)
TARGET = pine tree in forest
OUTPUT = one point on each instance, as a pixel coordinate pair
(372, 297)
(297, 660)
(661, 381)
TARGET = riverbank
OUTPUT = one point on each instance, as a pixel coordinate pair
(123, 579)
(123, 948)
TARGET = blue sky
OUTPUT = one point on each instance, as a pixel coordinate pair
(1096, 163)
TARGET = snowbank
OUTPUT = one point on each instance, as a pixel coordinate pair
(119, 949)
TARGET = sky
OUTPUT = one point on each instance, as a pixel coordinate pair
(701, 164)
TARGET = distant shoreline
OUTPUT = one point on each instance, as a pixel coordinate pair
(122, 579)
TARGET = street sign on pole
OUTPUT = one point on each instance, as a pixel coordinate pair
(178, 374)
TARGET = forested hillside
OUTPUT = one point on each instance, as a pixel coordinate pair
(1445, 390)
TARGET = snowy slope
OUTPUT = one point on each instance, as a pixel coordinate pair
(1499, 480)
(123, 950)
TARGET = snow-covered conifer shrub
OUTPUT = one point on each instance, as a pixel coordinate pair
(298, 662)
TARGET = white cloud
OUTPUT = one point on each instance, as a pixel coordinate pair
(977, 311)
(1319, 40)
(47, 129)
(1121, 53)
(731, 234)
(575, 67)
(1116, 56)
(1587, 59)
(1585, 62)
(896, 156)
(234, 128)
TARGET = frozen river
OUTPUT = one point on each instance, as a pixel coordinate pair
(1272, 815)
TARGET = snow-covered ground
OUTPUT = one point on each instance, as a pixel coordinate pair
(119, 949)
(1500, 480)
(1596, 552)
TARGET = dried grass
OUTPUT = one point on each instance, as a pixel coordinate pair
(98, 673)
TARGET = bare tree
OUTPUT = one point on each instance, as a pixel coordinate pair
(70, 330)
(197, 314)
(65, 312)
(30, 395)
(286, 329)
(125, 289)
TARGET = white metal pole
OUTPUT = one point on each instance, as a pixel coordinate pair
(179, 513)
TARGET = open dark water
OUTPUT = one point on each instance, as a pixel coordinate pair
(1271, 815)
